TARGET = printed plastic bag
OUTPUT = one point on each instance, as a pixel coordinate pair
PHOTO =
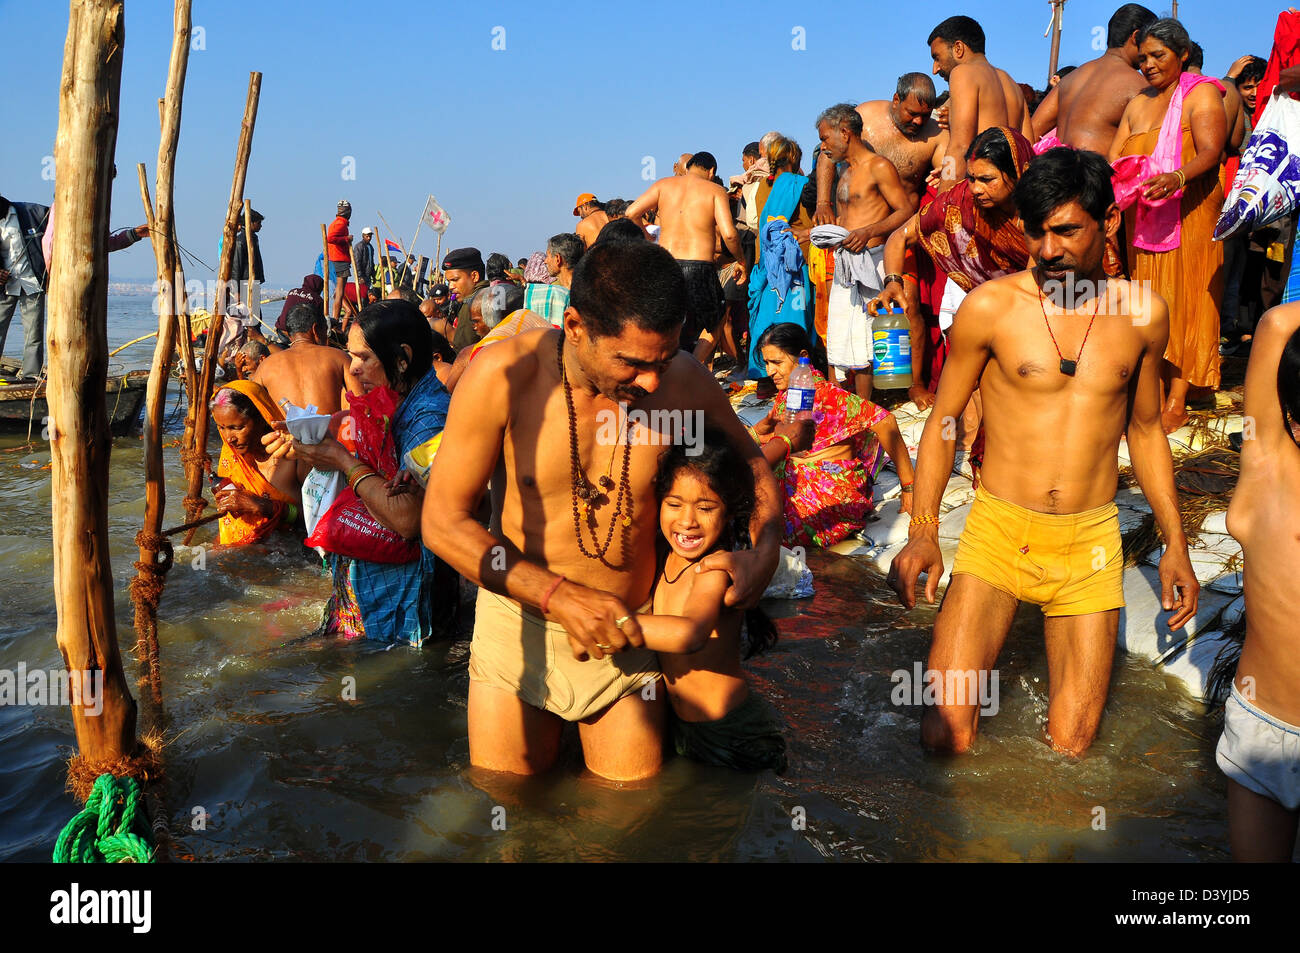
(1267, 184)
(347, 527)
(320, 490)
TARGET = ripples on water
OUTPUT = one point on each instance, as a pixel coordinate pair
(262, 740)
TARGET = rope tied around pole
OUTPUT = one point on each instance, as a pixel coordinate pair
(111, 828)
(146, 593)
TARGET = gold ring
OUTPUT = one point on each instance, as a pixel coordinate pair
(618, 623)
(602, 645)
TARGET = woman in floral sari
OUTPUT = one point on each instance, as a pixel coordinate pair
(827, 484)
(255, 492)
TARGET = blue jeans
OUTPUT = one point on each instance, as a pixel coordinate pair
(33, 310)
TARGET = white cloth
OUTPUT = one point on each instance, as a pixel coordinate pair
(848, 330)
(863, 273)
(827, 236)
(952, 299)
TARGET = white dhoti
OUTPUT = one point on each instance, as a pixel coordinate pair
(848, 325)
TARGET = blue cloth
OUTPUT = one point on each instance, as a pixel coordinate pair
(396, 600)
(778, 284)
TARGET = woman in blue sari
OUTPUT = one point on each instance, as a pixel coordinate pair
(390, 345)
(778, 283)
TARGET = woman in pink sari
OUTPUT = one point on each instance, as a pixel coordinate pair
(1166, 157)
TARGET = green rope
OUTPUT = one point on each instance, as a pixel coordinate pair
(106, 830)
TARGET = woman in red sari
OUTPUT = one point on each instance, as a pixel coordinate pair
(827, 485)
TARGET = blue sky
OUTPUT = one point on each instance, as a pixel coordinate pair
(579, 99)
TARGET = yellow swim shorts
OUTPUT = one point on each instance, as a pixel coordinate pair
(522, 653)
(1066, 563)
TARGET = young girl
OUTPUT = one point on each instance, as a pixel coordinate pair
(705, 501)
(827, 485)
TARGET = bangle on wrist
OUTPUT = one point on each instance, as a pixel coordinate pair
(906, 487)
(925, 520)
(789, 445)
(545, 604)
(356, 487)
(892, 277)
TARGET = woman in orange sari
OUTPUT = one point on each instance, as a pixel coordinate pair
(1175, 129)
(254, 492)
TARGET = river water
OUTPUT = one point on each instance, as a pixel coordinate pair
(271, 756)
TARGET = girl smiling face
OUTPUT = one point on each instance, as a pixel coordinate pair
(692, 516)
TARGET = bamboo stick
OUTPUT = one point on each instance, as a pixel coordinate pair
(249, 300)
(146, 590)
(325, 272)
(202, 416)
(78, 363)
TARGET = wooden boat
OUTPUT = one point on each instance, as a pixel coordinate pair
(24, 403)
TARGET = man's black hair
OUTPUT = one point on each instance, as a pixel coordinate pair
(1124, 22)
(1063, 175)
(619, 230)
(1253, 71)
(751, 150)
(618, 282)
(704, 160)
(959, 28)
(1195, 56)
(301, 319)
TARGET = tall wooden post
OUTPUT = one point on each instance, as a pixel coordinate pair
(146, 589)
(78, 357)
(202, 414)
(1058, 7)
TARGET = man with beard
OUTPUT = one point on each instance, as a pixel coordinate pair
(981, 95)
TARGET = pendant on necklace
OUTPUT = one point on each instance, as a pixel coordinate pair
(1068, 367)
(606, 483)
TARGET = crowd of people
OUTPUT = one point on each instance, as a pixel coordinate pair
(615, 574)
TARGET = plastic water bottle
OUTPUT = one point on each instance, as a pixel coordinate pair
(799, 393)
(891, 351)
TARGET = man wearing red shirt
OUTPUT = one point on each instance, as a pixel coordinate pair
(338, 242)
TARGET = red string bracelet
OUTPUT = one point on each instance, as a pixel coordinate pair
(546, 599)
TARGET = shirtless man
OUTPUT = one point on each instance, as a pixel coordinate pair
(1044, 527)
(871, 202)
(306, 372)
(554, 637)
(1258, 751)
(981, 94)
(903, 131)
(679, 167)
(593, 218)
(1086, 105)
(693, 213)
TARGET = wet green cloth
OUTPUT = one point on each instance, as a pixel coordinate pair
(747, 738)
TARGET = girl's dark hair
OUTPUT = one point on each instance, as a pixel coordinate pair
(442, 348)
(718, 464)
(792, 338)
(1288, 382)
(992, 146)
(387, 325)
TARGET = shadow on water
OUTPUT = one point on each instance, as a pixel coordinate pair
(274, 754)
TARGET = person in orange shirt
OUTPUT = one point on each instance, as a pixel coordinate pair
(338, 242)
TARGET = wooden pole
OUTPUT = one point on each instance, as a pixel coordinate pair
(356, 286)
(78, 357)
(194, 501)
(325, 272)
(1174, 10)
(248, 260)
(387, 262)
(437, 257)
(1057, 8)
(146, 589)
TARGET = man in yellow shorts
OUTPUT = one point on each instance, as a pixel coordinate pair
(1067, 362)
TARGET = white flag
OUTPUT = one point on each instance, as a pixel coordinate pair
(435, 217)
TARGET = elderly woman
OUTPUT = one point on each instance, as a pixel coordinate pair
(390, 346)
(1175, 132)
(255, 492)
(827, 484)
